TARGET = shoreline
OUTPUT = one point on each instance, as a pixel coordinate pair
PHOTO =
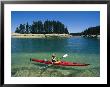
(17, 35)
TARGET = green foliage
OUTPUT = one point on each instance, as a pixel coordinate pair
(92, 31)
(37, 27)
(27, 28)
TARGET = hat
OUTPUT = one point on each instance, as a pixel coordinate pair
(53, 54)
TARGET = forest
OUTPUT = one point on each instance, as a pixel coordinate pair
(92, 31)
(39, 27)
(89, 31)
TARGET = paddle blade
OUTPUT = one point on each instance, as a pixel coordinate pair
(65, 55)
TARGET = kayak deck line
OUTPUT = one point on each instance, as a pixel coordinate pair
(62, 63)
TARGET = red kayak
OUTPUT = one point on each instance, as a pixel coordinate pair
(62, 63)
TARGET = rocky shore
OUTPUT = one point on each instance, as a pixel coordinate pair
(91, 36)
(17, 35)
(53, 71)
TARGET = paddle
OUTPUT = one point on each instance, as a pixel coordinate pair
(64, 56)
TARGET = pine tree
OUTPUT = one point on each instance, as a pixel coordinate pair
(37, 27)
(27, 28)
(17, 30)
(22, 28)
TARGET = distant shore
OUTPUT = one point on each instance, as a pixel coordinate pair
(91, 36)
(17, 35)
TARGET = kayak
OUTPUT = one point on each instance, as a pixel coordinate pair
(61, 63)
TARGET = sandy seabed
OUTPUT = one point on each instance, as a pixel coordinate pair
(33, 70)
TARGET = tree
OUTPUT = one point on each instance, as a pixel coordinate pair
(27, 28)
(17, 30)
(46, 27)
(92, 31)
(38, 27)
(22, 28)
(33, 28)
(66, 31)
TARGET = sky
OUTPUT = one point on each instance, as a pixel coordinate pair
(76, 21)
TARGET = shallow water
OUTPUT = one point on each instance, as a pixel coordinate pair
(82, 50)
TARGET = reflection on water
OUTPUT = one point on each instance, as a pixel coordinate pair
(77, 44)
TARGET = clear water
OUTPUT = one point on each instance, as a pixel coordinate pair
(79, 49)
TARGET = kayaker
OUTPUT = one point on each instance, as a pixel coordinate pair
(54, 59)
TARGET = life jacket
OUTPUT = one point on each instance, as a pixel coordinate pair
(54, 58)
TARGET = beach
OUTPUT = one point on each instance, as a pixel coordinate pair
(17, 35)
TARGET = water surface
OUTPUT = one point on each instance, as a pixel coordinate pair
(79, 49)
